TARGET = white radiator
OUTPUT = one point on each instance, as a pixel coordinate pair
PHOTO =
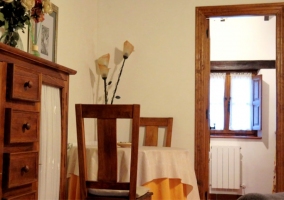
(225, 167)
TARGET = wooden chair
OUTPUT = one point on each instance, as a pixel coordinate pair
(152, 125)
(107, 184)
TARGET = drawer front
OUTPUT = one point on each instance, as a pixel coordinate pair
(28, 196)
(25, 85)
(20, 168)
(21, 126)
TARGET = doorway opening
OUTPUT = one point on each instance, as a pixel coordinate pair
(242, 57)
(202, 73)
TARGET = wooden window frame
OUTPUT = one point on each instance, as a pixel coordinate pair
(226, 133)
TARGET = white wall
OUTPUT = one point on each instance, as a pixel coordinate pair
(243, 38)
(159, 75)
(229, 42)
(77, 46)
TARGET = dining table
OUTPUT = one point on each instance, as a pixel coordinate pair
(168, 172)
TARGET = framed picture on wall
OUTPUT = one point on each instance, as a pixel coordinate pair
(44, 35)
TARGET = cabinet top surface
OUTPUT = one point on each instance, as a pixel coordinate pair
(17, 54)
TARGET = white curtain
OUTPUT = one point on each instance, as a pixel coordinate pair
(50, 144)
(241, 101)
(217, 90)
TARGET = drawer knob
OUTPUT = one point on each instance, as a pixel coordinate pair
(26, 169)
(27, 126)
(28, 84)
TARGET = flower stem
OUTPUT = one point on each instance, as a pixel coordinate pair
(124, 58)
(104, 78)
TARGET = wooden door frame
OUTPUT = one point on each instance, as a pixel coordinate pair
(202, 72)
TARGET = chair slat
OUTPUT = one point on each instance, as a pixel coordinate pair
(151, 136)
(107, 150)
(107, 111)
(152, 125)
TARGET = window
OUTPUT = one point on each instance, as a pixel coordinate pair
(235, 104)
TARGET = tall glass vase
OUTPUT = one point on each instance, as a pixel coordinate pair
(33, 39)
(12, 39)
(35, 50)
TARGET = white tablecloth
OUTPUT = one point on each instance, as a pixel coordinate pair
(153, 163)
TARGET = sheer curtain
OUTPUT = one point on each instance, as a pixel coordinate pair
(50, 143)
(217, 90)
(241, 101)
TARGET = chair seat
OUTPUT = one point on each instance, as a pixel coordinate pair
(140, 191)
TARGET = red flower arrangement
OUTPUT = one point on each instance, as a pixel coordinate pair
(15, 14)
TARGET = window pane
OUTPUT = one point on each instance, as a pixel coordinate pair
(217, 90)
(241, 101)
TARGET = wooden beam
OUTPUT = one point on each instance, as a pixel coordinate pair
(250, 65)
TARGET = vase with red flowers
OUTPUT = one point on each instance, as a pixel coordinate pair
(15, 15)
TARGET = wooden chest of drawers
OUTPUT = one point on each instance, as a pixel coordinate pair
(21, 78)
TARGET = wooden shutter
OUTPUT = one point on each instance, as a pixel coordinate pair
(256, 101)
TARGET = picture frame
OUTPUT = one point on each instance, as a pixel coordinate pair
(44, 35)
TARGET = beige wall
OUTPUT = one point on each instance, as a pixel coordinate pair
(159, 75)
(77, 46)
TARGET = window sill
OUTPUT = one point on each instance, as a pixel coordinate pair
(235, 137)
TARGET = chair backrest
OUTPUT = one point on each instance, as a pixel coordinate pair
(107, 116)
(152, 125)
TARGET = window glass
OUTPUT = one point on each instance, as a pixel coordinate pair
(231, 108)
(241, 101)
(217, 91)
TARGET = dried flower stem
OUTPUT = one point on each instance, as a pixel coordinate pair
(124, 58)
(104, 78)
